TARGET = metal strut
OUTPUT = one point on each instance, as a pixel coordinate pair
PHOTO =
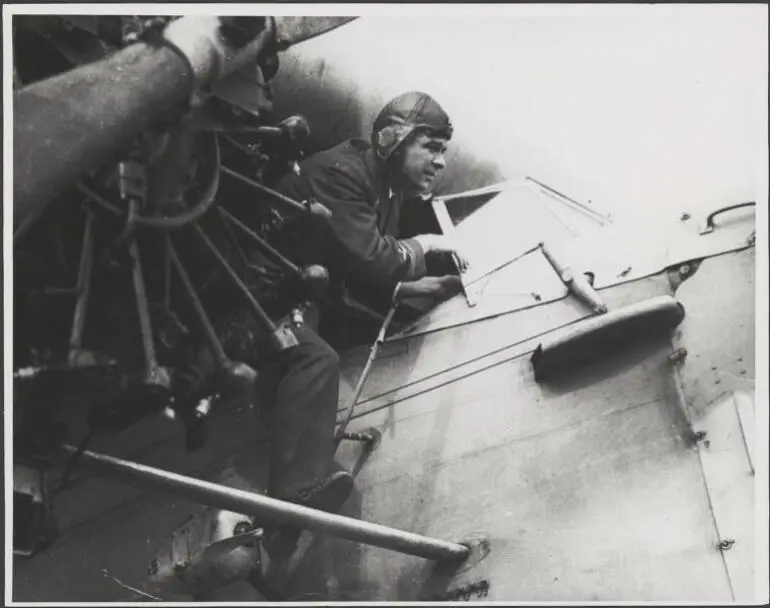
(312, 207)
(235, 370)
(281, 338)
(282, 261)
(258, 505)
(208, 329)
(340, 434)
(155, 375)
(577, 283)
(82, 289)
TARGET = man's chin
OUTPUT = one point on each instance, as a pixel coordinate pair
(426, 188)
(421, 191)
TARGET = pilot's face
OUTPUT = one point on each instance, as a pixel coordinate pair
(422, 161)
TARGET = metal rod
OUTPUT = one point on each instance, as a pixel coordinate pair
(99, 200)
(200, 207)
(580, 206)
(26, 224)
(338, 436)
(268, 132)
(258, 505)
(211, 335)
(167, 271)
(129, 227)
(743, 434)
(576, 282)
(268, 192)
(83, 288)
(143, 310)
(256, 308)
(278, 257)
(234, 242)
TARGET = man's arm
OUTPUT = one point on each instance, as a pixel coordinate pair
(364, 251)
(439, 288)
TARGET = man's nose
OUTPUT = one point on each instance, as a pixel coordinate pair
(439, 161)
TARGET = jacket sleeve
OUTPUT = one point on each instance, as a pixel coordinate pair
(377, 258)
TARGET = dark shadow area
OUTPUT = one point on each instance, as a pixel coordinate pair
(329, 566)
(447, 581)
(460, 208)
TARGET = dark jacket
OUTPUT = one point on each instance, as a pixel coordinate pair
(359, 245)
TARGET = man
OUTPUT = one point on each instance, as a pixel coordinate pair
(364, 185)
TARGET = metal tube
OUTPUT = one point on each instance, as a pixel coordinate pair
(268, 192)
(279, 259)
(743, 434)
(258, 505)
(99, 200)
(593, 213)
(211, 335)
(130, 226)
(83, 288)
(338, 436)
(268, 132)
(575, 282)
(135, 86)
(200, 207)
(255, 306)
(143, 310)
(167, 271)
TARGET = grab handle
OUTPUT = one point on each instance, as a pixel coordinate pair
(709, 227)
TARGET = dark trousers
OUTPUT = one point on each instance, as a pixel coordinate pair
(296, 395)
(299, 393)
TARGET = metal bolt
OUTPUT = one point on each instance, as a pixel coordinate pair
(678, 355)
(684, 269)
(153, 569)
(243, 527)
(685, 216)
(726, 544)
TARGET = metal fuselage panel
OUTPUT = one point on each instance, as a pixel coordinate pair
(587, 488)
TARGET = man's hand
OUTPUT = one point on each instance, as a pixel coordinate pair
(439, 243)
(439, 288)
